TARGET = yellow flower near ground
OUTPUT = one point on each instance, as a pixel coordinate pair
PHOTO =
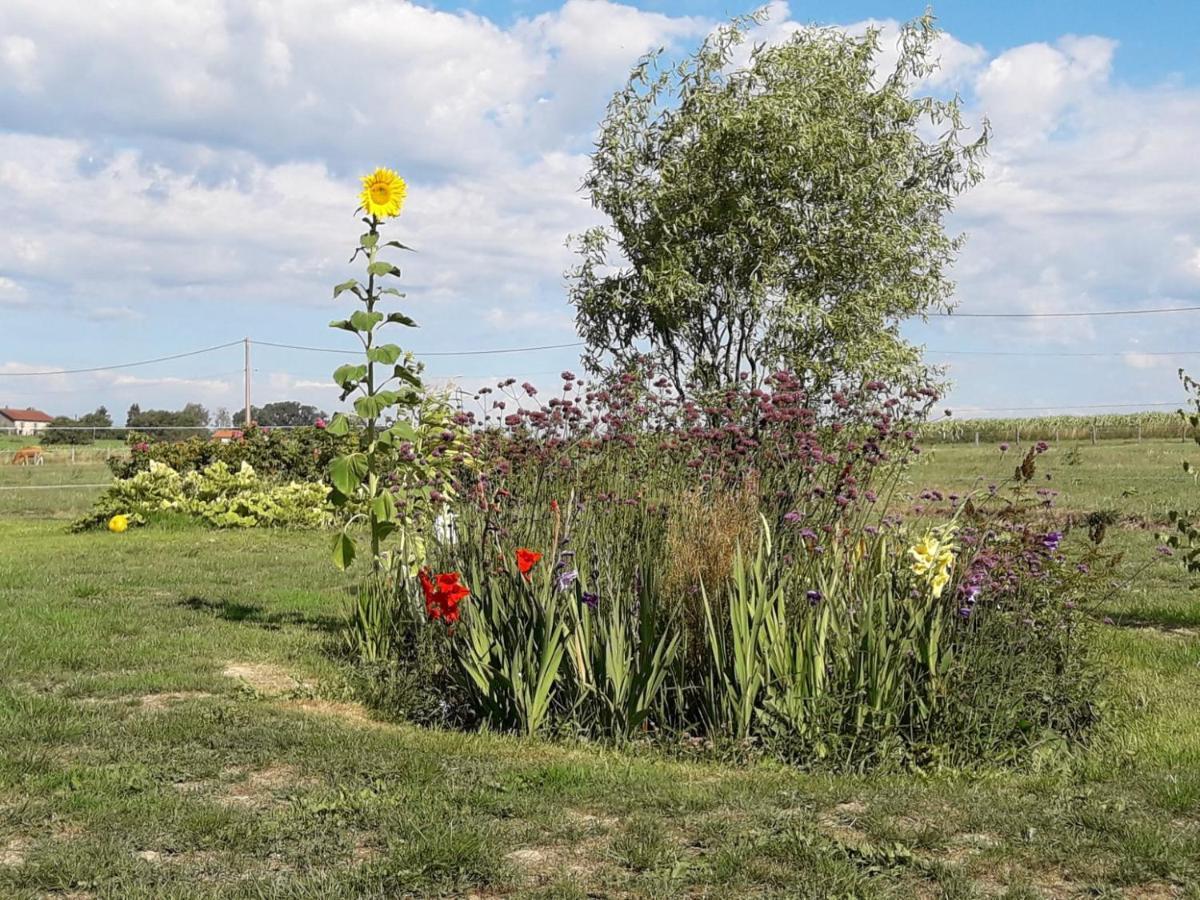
(383, 193)
(117, 524)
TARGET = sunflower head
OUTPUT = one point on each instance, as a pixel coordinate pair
(383, 193)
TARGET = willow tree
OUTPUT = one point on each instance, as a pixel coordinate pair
(787, 211)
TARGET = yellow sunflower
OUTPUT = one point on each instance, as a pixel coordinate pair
(117, 524)
(383, 193)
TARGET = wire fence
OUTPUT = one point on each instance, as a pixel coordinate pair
(101, 444)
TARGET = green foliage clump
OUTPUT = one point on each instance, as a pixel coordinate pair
(170, 424)
(65, 430)
(785, 212)
(1184, 537)
(295, 454)
(215, 495)
(291, 413)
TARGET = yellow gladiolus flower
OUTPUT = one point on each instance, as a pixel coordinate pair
(938, 584)
(118, 524)
(932, 559)
(383, 193)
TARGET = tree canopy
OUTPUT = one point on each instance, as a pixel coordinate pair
(786, 212)
(282, 412)
(190, 421)
(65, 430)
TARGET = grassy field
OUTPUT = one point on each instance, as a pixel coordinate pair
(1138, 479)
(172, 724)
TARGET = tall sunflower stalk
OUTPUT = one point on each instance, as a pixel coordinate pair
(388, 383)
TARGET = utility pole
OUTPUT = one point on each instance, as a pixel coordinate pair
(246, 422)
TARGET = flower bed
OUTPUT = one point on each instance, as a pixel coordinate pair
(629, 566)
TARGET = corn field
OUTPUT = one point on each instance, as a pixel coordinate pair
(1108, 426)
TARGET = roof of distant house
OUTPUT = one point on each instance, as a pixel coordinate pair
(24, 415)
(227, 434)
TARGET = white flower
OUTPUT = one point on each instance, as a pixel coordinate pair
(444, 528)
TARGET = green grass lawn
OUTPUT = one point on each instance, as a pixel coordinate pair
(172, 724)
(1140, 479)
(50, 491)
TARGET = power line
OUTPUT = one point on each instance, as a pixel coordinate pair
(1066, 315)
(118, 387)
(431, 353)
(974, 409)
(1064, 354)
(143, 362)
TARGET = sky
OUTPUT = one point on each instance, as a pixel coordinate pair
(180, 174)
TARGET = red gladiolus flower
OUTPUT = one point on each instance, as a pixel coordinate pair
(442, 595)
(526, 559)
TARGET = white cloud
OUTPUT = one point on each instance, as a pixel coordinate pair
(11, 293)
(206, 385)
(20, 57)
(113, 314)
(194, 162)
(1027, 89)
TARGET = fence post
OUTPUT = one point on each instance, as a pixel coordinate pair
(1018, 436)
(976, 438)
(72, 456)
(1139, 432)
(1093, 434)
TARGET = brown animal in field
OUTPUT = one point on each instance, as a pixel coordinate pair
(28, 456)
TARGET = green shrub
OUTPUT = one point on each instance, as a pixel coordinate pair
(296, 454)
(215, 495)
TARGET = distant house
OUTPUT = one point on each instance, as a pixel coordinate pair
(26, 422)
(226, 435)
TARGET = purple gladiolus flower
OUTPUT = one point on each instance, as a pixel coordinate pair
(814, 597)
(566, 579)
(591, 601)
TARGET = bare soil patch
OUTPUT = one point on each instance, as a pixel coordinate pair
(260, 788)
(351, 712)
(263, 678)
(170, 698)
(841, 823)
(13, 852)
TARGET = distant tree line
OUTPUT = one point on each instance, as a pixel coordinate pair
(284, 412)
(172, 425)
(65, 430)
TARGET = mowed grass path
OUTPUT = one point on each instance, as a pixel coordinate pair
(172, 725)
